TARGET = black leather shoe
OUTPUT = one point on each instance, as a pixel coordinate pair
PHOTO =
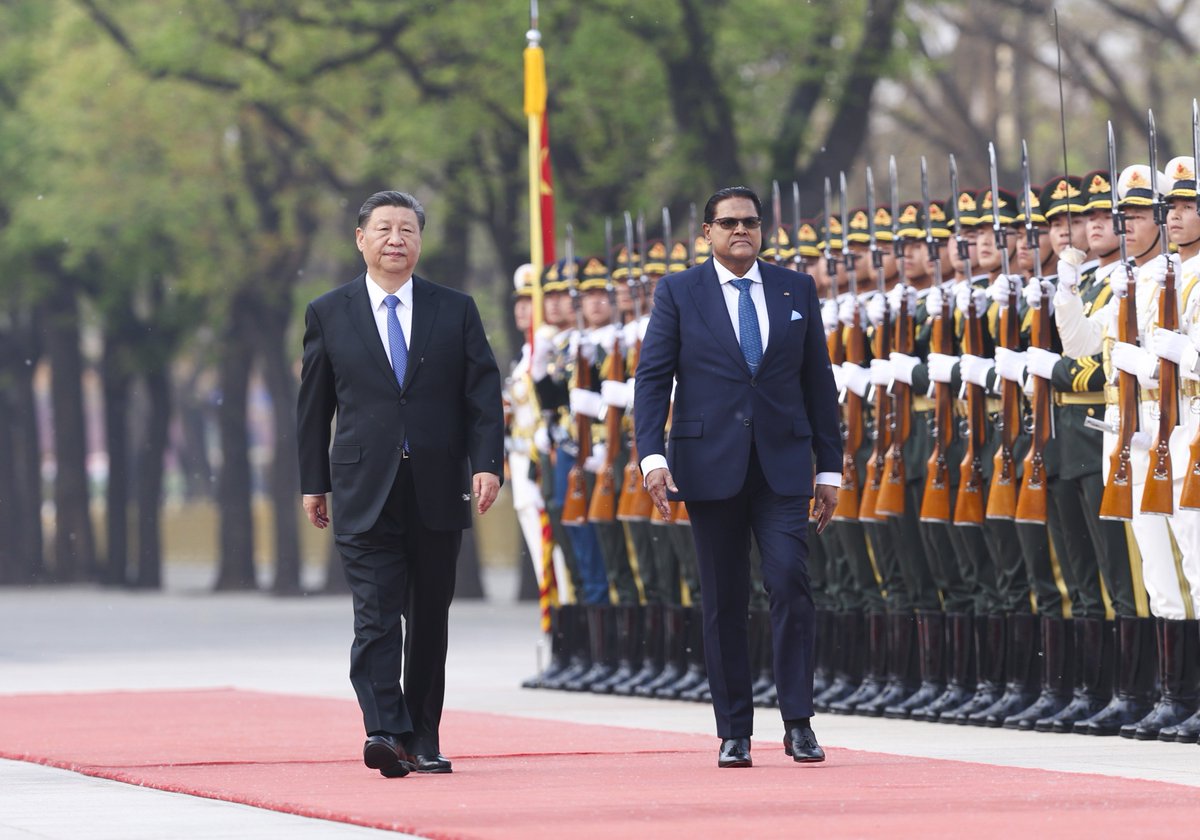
(386, 754)
(801, 744)
(735, 752)
(436, 763)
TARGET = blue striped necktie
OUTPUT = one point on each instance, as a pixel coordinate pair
(748, 333)
(396, 345)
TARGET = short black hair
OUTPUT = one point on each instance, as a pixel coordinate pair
(391, 198)
(710, 208)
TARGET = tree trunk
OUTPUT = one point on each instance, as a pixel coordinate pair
(151, 449)
(74, 544)
(285, 470)
(29, 541)
(116, 440)
(234, 492)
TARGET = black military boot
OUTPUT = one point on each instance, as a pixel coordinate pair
(1179, 655)
(559, 656)
(627, 620)
(675, 639)
(696, 672)
(1095, 653)
(903, 671)
(989, 657)
(1137, 667)
(652, 650)
(931, 648)
(575, 631)
(960, 668)
(1022, 676)
(848, 670)
(600, 643)
(823, 670)
(1187, 731)
(1057, 672)
(874, 670)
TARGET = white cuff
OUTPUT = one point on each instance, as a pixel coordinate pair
(653, 462)
(833, 479)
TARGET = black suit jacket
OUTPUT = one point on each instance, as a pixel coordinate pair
(788, 408)
(449, 407)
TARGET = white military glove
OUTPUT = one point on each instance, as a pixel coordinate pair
(1041, 362)
(902, 293)
(1069, 274)
(934, 302)
(829, 315)
(1156, 269)
(1003, 286)
(629, 333)
(847, 309)
(974, 369)
(1133, 359)
(587, 403)
(629, 386)
(941, 367)
(964, 296)
(595, 462)
(1010, 364)
(1118, 281)
(1175, 347)
(541, 439)
(615, 393)
(539, 360)
(857, 377)
(1033, 294)
(876, 309)
(881, 373)
(902, 367)
(839, 378)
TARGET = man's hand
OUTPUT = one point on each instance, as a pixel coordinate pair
(317, 511)
(657, 484)
(824, 501)
(486, 487)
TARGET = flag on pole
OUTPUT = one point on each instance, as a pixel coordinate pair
(541, 248)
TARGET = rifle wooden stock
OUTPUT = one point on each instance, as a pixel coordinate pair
(603, 507)
(1031, 503)
(1002, 495)
(848, 499)
(873, 481)
(891, 492)
(575, 504)
(935, 502)
(1158, 497)
(635, 503)
(1117, 501)
(968, 507)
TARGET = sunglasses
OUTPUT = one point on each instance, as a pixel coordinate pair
(729, 222)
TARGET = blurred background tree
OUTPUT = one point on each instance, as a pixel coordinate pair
(175, 184)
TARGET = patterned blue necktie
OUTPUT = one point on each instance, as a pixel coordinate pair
(396, 345)
(748, 332)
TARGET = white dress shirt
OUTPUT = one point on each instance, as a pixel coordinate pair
(732, 294)
(404, 311)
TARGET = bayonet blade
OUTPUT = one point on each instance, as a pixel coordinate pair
(997, 228)
(894, 184)
(667, 232)
(1118, 218)
(777, 218)
(876, 254)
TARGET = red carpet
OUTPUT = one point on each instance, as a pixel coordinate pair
(524, 778)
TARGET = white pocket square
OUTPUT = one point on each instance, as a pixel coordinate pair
(796, 316)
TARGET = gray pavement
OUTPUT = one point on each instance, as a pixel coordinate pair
(91, 639)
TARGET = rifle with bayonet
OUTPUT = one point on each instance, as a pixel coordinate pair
(891, 496)
(1189, 499)
(575, 503)
(797, 259)
(635, 503)
(603, 507)
(935, 501)
(1002, 496)
(1158, 498)
(852, 351)
(968, 507)
(873, 480)
(1117, 500)
(1031, 502)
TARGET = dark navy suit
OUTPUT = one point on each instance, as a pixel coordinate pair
(743, 451)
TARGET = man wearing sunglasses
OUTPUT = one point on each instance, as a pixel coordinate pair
(754, 440)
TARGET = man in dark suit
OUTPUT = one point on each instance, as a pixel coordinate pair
(406, 367)
(755, 414)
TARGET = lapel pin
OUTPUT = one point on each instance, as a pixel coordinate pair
(466, 497)
(787, 294)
